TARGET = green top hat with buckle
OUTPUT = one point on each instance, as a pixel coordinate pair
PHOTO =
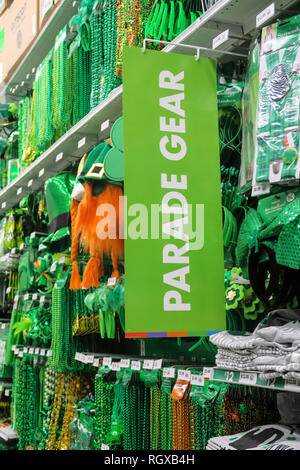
(58, 192)
(105, 163)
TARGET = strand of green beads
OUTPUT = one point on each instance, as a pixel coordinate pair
(96, 57)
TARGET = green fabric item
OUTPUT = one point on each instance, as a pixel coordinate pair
(288, 246)
(26, 274)
(248, 232)
(58, 192)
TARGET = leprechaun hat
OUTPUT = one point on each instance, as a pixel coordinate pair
(58, 190)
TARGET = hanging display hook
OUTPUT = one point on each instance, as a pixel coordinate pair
(190, 46)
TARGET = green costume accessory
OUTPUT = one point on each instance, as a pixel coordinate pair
(60, 115)
(58, 192)
(114, 159)
(234, 294)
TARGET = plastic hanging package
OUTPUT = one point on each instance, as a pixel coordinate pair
(249, 107)
(277, 154)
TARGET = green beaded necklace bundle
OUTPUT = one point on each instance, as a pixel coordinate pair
(79, 75)
(96, 57)
(62, 345)
(43, 90)
(26, 399)
(23, 123)
(60, 114)
(104, 400)
(109, 34)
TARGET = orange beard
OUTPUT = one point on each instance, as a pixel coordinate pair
(99, 234)
(93, 230)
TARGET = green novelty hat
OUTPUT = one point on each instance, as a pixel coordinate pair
(105, 163)
(58, 192)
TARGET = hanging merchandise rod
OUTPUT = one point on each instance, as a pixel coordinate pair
(198, 48)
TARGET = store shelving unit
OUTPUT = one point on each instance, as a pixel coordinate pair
(250, 378)
(239, 16)
(23, 77)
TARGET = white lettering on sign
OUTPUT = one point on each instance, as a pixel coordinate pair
(265, 15)
(218, 40)
(174, 203)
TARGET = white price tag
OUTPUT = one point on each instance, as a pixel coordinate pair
(81, 142)
(22, 246)
(41, 172)
(16, 298)
(125, 363)
(184, 375)
(14, 251)
(89, 359)
(49, 353)
(265, 15)
(32, 235)
(8, 290)
(135, 365)
(169, 372)
(83, 358)
(26, 296)
(21, 354)
(197, 379)
(106, 361)
(115, 366)
(104, 447)
(157, 364)
(218, 40)
(96, 362)
(104, 125)
(3, 326)
(148, 364)
(13, 348)
(43, 352)
(25, 350)
(77, 356)
(7, 392)
(112, 281)
(31, 350)
(59, 156)
(62, 260)
(247, 378)
(19, 190)
(37, 350)
(34, 297)
(42, 299)
(1, 388)
(208, 372)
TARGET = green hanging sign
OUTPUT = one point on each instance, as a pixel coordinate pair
(173, 230)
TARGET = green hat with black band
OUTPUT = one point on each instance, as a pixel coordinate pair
(58, 192)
